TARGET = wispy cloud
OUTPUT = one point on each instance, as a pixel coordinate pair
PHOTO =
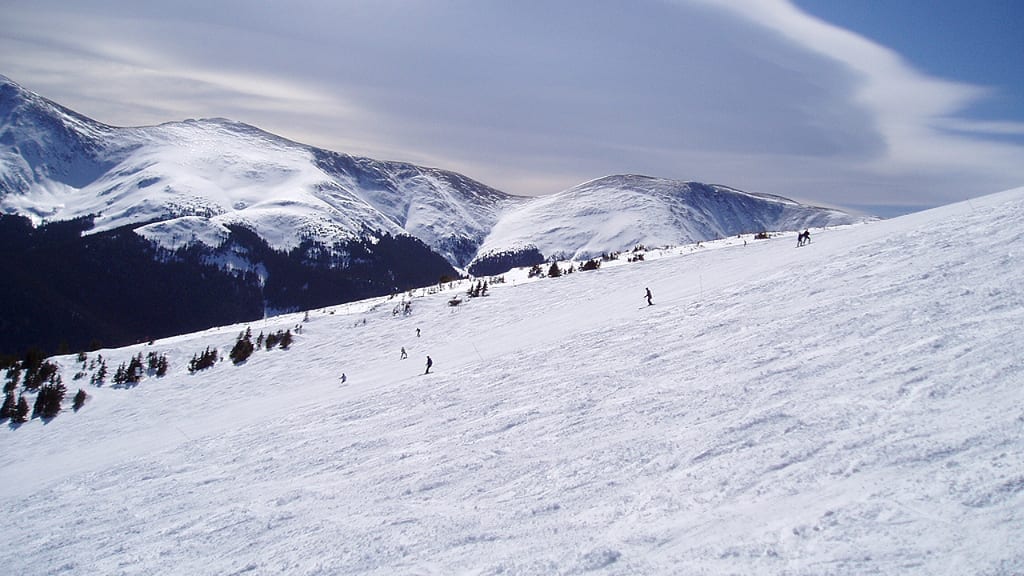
(532, 97)
(915, 114)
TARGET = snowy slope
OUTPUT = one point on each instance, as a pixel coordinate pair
(853, 406)
(616, 213)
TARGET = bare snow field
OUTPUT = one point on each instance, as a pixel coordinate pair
(854, 406)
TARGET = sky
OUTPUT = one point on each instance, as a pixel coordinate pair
(850, 407)
(886, 107)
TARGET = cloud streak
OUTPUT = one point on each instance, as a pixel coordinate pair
(533, 97)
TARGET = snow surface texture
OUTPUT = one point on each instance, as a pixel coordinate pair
(853, 406)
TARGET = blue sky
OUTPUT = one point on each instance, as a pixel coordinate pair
(883, 106)
(980, 42)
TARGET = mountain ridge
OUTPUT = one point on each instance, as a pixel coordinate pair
(223, 172)
(276, 225)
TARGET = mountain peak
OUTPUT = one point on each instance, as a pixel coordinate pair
(214, 172)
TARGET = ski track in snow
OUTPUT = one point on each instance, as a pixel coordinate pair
(849, 407)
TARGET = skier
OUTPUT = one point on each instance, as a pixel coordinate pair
(429, 364)
(404, 355)
(649, 302)
(343, 378)
(417, 332)
(807, 236)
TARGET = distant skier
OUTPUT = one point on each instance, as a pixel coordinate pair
(803, 238)
(417, 332)
(343, 378)
(429, 364)
(404, 355)
(648, 296)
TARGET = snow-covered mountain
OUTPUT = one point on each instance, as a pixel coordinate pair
(186, 181)
(275, 225)
(616, 213)
(853, 406)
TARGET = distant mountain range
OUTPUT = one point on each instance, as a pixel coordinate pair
(236, 213)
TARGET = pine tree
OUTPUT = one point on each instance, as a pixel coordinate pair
(203, 361)
(243, 348)
(272, 339)
(20, 414)
(121, 374)
(13, 375)
(101, 373)
(7, 410)
(554, 272)
(79, 400)
(37, 374)
(157, 363)
(134, 371)
(49, 399)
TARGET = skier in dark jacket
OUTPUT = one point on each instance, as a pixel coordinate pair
(649, 302)
(429, 364)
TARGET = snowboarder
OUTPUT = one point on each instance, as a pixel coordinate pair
(404, 355)
(429, 364)
(648, 296)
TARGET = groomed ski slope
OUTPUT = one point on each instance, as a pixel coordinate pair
(855, 406)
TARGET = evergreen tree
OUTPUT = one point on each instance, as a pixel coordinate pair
(101, 372)
(49, 399)
(7, 410)
(13, 375)
(121, 374)
(37, 374)
(157, 363)
(134, 373)
(243, 348)
(20, 414)
(130, 373)
(203, 361)
(79, 400)
(553, 271)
